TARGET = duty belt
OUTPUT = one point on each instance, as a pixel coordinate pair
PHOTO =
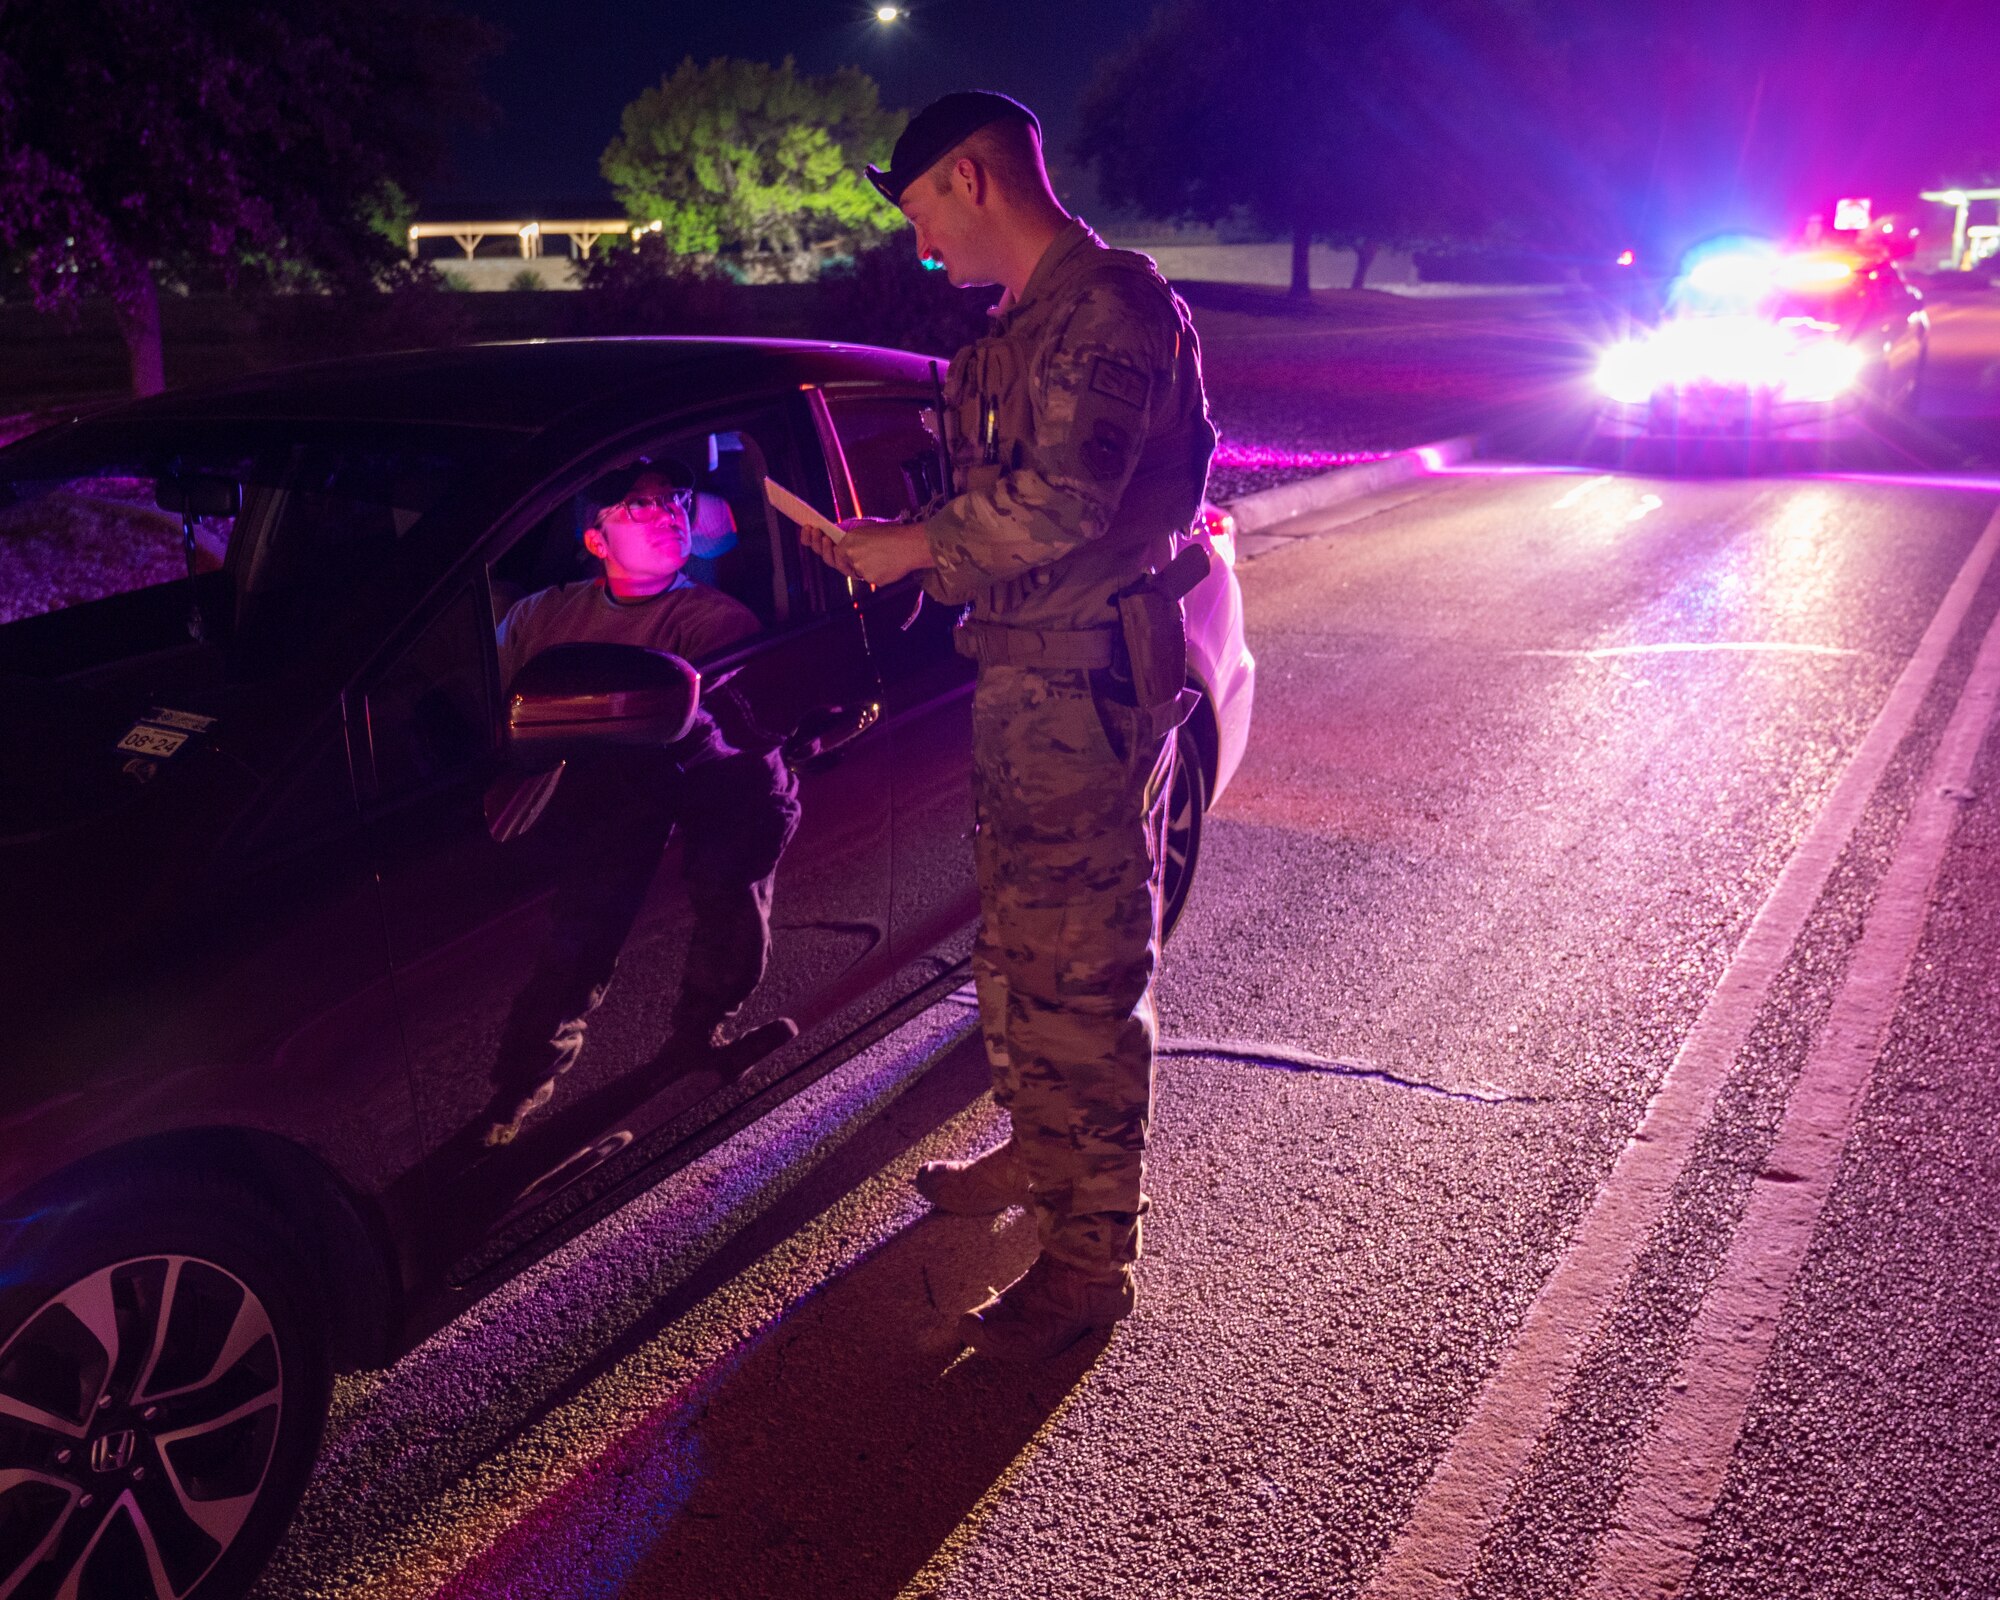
(995, 644)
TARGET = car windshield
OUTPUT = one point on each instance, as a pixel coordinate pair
(92, 512)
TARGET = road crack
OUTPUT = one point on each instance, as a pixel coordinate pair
(1285, 1058)
(1288, 1058)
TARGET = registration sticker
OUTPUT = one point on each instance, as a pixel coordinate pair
(150, 741)
(186, 721)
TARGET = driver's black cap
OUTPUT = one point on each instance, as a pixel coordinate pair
(935, 129)
(613, 487)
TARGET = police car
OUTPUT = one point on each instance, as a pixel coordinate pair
(1812, 344)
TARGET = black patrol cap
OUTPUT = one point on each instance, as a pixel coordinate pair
(939, 126)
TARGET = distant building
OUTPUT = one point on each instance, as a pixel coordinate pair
(513, 249)
(1971, 242)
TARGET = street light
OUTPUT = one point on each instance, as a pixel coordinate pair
(887, 14)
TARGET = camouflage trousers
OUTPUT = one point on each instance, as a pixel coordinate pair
(1071, 812)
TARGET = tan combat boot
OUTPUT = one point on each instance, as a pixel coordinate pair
(977, 1188)
(1046, 1310)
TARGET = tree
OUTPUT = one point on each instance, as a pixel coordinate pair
(1365, 123)
(145, 142)
(886, 296)
(757, 166)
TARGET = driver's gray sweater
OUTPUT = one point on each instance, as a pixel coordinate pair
(686, 618)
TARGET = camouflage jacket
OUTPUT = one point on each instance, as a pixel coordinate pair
(1079, 438)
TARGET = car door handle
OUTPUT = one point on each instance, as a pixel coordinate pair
(822, 731)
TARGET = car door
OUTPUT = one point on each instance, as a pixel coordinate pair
(889, 456)
(295, 905)
(478, 923)
(263, 1000)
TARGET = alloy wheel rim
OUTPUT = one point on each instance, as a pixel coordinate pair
(139, 1413)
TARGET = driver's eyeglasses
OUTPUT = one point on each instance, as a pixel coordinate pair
(652, 507)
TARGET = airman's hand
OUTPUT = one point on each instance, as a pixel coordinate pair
(829, 552)
(880, 552)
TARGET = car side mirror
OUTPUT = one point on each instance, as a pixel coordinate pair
(199, 495)
(572, 699)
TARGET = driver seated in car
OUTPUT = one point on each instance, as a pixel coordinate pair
(640, 524)
(723, 787)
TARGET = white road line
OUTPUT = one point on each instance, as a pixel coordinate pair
(1612, 651)
(1468, 1489)
(1673, 1485)
(1589, 487)
(1648, 504)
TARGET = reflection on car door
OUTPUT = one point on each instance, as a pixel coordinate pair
(474, 924)
(275, 985)
(892, 470)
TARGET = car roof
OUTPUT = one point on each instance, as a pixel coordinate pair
(524, 386)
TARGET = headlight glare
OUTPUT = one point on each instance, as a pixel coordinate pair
(1821, 371)
(1628, 374)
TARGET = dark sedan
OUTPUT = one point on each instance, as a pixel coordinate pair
(285, 861)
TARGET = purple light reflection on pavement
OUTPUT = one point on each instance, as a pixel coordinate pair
(1435, 466)
(1234, 454)
(498, 1450)
(1911, 480)
(589, 1535)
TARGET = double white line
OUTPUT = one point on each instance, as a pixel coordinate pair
(1673, 1482)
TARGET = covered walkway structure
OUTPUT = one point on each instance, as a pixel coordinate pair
(469, 236)
(1971, 242)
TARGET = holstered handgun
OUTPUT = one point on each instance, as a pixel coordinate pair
(1155, 631)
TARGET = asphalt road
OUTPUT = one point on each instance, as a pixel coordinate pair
(1579, 807)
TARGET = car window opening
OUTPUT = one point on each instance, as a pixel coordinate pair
(740, 545)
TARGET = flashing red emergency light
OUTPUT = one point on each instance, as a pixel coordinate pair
(1809, 273)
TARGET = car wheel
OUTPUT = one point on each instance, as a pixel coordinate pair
(1187, 803)
(163, 1386)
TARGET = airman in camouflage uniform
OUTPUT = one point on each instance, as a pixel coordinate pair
(1079, 439)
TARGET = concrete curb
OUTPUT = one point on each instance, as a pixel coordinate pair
(1268, 507)
(20, 425)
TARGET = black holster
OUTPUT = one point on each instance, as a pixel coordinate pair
(1155, 639)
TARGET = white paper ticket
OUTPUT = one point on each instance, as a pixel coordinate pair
(790, 505)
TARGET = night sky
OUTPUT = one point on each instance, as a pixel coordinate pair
(568, 70)
(1813, 98)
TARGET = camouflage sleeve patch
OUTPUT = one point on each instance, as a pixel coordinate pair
(1107, 450)
(1119, 381)
(1094, 378)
